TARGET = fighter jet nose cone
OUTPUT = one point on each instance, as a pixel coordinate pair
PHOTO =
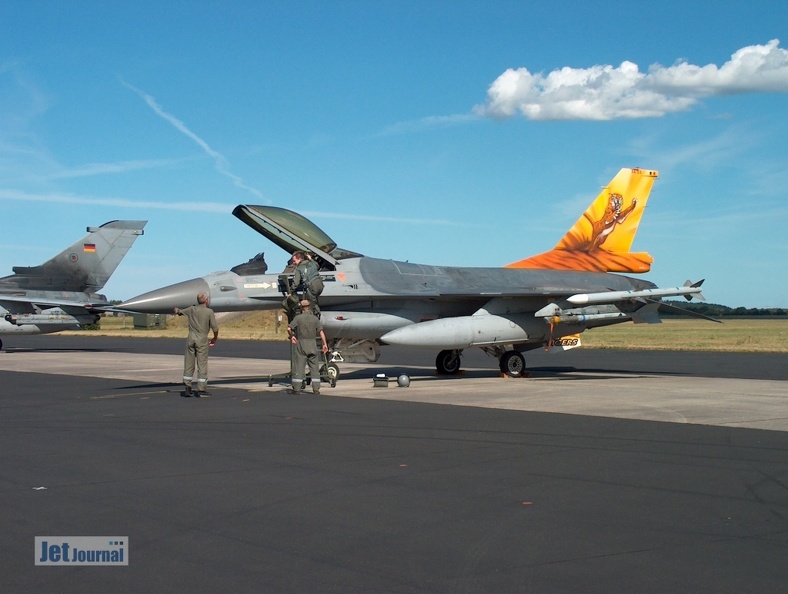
(164, 300)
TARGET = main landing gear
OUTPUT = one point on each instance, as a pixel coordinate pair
(511, 363)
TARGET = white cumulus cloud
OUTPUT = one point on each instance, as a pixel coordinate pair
(609, 92)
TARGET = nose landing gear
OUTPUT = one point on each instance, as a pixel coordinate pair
(448, 362)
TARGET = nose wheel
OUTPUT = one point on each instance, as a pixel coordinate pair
(448, 362)
(332, 372)
(512, 364)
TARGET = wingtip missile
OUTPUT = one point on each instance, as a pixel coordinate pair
(688, 291)
(699, 296)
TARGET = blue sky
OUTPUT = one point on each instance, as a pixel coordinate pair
(441, 132)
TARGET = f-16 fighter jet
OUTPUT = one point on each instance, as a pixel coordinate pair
(541, 302)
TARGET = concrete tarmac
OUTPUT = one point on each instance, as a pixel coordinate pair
(654, 477)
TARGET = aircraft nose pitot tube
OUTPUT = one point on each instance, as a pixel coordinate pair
(164, 300)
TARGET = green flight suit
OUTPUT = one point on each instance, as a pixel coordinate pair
(201, 320)
(306, 327)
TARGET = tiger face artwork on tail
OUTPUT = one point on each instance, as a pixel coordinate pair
(614, 215)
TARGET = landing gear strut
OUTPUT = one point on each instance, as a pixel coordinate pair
(448, 362)
(512, 364)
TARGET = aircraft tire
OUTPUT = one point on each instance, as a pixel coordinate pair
(512, 364)
(332, 371)
(448, 362)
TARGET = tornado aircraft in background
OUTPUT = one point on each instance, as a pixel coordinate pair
(544, 301)
(61, 293)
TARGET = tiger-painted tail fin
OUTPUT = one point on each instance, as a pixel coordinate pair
(600, 240)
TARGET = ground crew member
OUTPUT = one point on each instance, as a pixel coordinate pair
(201, 320)
(303, 332)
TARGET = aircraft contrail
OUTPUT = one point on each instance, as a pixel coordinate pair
(219, 207)
(60, 198)
(222, 166)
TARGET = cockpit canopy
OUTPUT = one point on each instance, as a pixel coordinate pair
(292, 232)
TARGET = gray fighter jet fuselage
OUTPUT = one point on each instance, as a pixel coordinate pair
(366, 298)
(544, 301)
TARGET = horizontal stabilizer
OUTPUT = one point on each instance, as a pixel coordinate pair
(685, 312)
(648, 314)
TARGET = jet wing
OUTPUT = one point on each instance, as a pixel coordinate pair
(16, 303)
(509, 292)
(686, 312)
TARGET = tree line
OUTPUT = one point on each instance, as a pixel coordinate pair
(716, 310)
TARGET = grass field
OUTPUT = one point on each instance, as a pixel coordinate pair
(735, 335)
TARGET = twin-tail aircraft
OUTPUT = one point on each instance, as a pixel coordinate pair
(62, 293)
(544, 301)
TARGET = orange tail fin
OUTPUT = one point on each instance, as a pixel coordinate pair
(600, 239)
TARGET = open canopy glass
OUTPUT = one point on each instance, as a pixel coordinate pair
(291, 231)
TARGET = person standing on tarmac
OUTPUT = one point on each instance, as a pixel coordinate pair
(201, 319)
(303, 331)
